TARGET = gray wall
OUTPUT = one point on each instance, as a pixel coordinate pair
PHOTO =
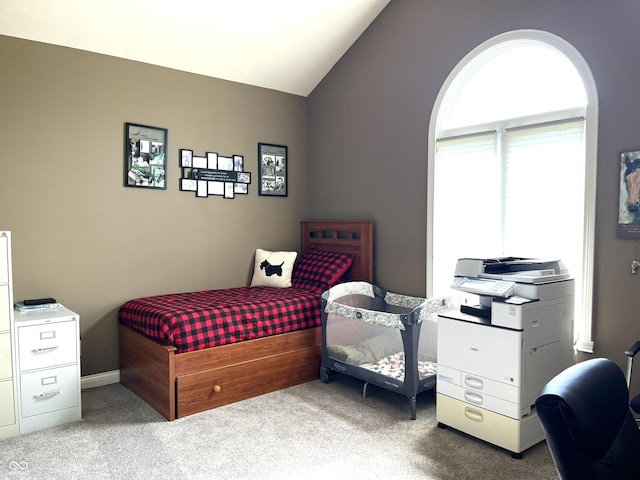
(83, 238)
(369, 119)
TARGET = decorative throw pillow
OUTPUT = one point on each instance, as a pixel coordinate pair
(273, 269)
(315, 287)
(321, 267)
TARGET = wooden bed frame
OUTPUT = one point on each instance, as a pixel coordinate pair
(180, 384)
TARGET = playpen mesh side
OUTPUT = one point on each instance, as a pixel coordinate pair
(363, 328)
(364, 324)
(379, 348)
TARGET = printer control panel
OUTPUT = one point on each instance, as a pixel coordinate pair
(484, 286)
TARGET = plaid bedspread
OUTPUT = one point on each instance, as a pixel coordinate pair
(197, 320)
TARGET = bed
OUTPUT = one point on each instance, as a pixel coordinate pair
(181, 372)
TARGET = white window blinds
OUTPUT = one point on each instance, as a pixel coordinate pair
(467, 204)
(514, 192)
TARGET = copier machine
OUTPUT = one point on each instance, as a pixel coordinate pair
(494, 358)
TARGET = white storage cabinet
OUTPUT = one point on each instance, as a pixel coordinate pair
(8, 390)
(48, 364)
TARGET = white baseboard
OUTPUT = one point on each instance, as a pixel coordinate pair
(100, 379)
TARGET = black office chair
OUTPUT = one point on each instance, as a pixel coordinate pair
(631, 353)
(590, 430)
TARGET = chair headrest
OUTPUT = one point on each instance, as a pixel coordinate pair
(593, 399)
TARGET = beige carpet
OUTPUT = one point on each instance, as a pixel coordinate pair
(311, 431)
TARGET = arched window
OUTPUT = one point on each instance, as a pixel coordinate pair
(512, 162)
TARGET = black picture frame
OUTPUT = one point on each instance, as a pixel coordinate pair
(212, 160)
(202, 188)
(213, 174)
(225, 163)
(186, 158)
(243, 177)
(241, 188)
(238, 163)
(200, 162)
(145, 156)
(273, 164)
(628, 210)
(188, 185)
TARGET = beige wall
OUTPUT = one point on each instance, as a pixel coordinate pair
(83, 238)
(369, 118)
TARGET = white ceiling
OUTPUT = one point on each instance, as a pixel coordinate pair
(285, 45)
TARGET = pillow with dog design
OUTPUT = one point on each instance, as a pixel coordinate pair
(273, 269)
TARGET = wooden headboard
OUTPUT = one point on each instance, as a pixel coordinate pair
(343, 237)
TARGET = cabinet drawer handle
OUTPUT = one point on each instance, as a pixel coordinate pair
(37, 351)
(473, 397)
(46, 395)
(473, 382)
(474, 415)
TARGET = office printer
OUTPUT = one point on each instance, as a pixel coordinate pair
(515, 280)
(494, 358)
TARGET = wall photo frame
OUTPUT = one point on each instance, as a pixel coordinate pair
(145, 156)
(213, 174)
(273, 163)
(629, 198)
(186, 158)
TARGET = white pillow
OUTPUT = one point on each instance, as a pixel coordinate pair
(273, 269)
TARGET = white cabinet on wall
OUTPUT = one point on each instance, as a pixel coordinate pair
(8, 389)
(48, 360)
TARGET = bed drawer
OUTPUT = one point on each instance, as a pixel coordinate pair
(220, 386)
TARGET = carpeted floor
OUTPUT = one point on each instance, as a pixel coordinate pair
(310, 431)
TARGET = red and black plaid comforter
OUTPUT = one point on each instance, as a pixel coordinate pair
(197, 320)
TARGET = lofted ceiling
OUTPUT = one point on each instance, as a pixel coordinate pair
(284, 45)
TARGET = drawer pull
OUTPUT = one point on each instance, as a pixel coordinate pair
(473, 382)
(217, 389)
(37, 351)
(46, 395)
(473, 397)
(474, 415)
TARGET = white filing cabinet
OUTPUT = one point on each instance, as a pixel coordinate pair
(48, 373)
(8, 390)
